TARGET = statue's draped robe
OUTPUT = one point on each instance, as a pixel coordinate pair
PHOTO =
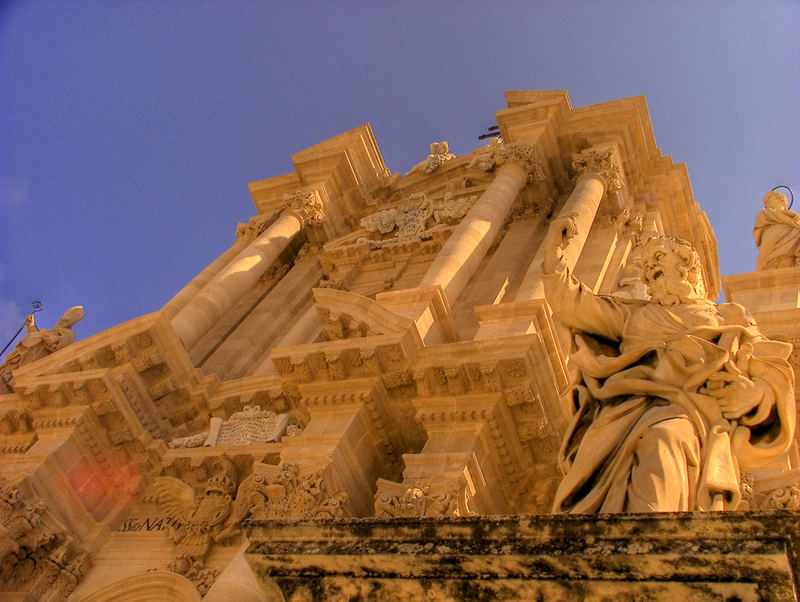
(777, 234)
(643, 368)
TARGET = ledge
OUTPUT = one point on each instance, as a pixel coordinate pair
(658, 556)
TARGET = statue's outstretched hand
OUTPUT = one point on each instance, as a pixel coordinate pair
(561, 230)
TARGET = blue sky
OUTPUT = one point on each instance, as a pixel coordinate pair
(130, 129)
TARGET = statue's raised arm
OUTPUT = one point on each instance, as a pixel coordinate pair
(675, 394)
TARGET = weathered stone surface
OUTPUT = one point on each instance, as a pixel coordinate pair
(698, 556)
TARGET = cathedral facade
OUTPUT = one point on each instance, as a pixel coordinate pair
(368, 395)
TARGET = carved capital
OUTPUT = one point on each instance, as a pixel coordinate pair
(523, 156)
(604, 162)
(305, 206)
(422, 499)
(255, 226)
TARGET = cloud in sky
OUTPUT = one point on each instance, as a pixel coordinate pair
(13, 192)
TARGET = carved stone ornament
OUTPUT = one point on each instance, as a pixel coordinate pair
(37, 556)
(411, 220)
(440, 154)
(483, 158)
(197, 520)
(39, 343)
(523, 156)
(422, 499)
(284, 491)
(306, 206)
(251, 426)
(337, 326)
(604, 162)
(255, 226)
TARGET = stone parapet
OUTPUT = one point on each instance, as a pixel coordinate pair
(698, 556)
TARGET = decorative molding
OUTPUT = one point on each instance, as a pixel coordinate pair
(602, 161)
(197, 521)
(250, 426)
(286, 490)
(523, 156)
(37, 554)
(306, 206)
(422, 499)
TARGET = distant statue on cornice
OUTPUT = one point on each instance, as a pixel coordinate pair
(777, 234)
(440, 154)
(39, 343)
(673, 395)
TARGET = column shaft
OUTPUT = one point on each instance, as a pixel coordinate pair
(582, 205)
(464, 250)
(177, 303)
(219, 295)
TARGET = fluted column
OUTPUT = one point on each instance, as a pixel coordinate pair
(466, 247)
(235, 279)
(598, 170)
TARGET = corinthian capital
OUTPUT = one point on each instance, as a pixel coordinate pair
(601, 161)
(521, 155)
(305, 206)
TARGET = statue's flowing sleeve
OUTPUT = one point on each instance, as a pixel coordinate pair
(580, 309)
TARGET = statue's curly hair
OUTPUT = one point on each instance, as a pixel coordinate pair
(684, 249)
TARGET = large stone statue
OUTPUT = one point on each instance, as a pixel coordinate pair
(675, 395)
(39, 343)
(777, 234)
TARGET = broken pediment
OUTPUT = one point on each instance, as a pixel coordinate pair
(347, 315)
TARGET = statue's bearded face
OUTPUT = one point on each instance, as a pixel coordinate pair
(670, 272)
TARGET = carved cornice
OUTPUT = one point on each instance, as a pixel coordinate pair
(305, 205)
(523, 156)
(602, 161)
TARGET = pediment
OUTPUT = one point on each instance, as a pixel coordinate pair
(348, 315)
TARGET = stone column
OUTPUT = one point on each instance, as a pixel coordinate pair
(234, 280)
(464, 250)
(599, 170)
(175, 304)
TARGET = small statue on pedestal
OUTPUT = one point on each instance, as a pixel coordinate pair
(777, 234)
(38, 343)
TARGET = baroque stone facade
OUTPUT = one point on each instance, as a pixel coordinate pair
(369, 391)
